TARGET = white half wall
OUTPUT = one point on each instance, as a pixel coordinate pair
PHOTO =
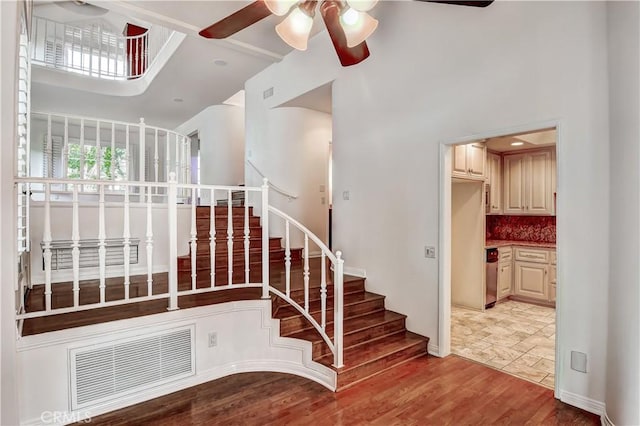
(221, 131)
(439, 73)
(293, 153)
(623, 344)
(248, 339)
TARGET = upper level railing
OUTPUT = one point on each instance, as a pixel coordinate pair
(74, 147)
(93, 51)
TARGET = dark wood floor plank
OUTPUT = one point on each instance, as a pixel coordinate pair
(424, 391)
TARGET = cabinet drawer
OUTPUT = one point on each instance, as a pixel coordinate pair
(532, 255)
(554, 258)
(505, 253)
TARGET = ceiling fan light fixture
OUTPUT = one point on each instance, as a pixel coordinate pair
(280, 7)
(358, 26)
(362, 5)
(295, 28)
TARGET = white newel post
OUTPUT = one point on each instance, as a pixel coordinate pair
(338, 306)
(142, 159)
(265, 238)
(102, 249)
(75, 244)
(193, 240)
(172, 209)
(126, 236)
(46, 241)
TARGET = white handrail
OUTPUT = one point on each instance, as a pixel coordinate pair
(271, 185)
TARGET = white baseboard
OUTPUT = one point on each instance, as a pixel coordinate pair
(605, 420)
(433, 349)
(356, 272)
(587, 404)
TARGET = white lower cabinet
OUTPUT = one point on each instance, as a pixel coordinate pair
(531, 280)
(505, 272)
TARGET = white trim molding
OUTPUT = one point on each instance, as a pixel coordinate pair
(587, 404)
(356, 272)
(605, 420)
(433, 349)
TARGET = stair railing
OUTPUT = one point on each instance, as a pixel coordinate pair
(128, 212)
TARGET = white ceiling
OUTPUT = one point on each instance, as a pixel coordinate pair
(529, 140)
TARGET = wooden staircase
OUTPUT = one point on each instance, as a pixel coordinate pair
(375, 339)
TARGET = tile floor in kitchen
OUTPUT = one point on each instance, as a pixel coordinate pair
(515, 337)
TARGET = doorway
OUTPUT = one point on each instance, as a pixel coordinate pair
(501, 186)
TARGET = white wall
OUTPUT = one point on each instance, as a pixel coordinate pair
(441, 73)
(221, 131)
(9, 19)
(293, 153)
(88, 215)
(623, 354)
(44, 365)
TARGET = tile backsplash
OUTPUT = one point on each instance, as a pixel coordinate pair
(522, 228)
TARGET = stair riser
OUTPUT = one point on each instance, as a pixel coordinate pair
(320, 348)
(255, 258)
(222, 224)
(203, 247)
(204, 211)
(369, 369)
(350, 287)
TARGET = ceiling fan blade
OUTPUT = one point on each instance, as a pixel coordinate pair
(462, 2)
(348, 55)
(237, 21)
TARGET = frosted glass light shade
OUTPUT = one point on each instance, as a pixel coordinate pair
(362, 5)
(295, 29)
(358, 26)
(279, 7)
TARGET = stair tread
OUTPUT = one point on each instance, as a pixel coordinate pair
(349, 299)
(351, 325)
(364, 353)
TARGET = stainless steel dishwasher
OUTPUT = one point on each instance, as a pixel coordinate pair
(491, 277)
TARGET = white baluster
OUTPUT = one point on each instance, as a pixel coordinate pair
(127, 153)
(172, 201)
(102, 249)
(212, 236)
(156, 157)
(167, 155)
(287, 259)
(82, 149)
(141, 163)
(65, 148)
(246, 238)
(98, 152)
(177, 159)
(149, 240)
(126, 236)
(338, 308)
(194, 237)
(75, 247)
(187, 159)
(229, 238)
(306, 273)
(265, 238)
(49, 152)
(112, 169)
(323, 290)
(46, 241)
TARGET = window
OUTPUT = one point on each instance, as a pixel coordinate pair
(113, 163)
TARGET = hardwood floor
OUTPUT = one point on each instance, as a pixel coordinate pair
(424, 391)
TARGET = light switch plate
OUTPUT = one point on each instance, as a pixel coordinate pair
(345, 195)
(430, 252)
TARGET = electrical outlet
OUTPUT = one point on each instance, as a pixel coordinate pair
(345, 195)
(430, 252)
(322, 188)
(213, 339)
(322, 201)
(579, 361)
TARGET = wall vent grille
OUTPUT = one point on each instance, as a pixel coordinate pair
(62, 253)
(104, 372)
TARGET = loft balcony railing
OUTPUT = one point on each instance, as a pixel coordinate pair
(94, 51)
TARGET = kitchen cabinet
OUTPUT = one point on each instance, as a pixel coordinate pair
(505, 272)
(531, 280)
(469, 161)
(494, 174)
(528, 183)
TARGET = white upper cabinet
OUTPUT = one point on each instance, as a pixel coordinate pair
(528, 183)
(494, 173)
(469, 161)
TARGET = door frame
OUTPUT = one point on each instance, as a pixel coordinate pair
(444, 235)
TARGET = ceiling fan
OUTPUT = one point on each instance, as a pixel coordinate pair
(347, 23)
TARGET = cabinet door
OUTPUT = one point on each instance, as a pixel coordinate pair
(476, 157)
(460, 167)
(494, 168)
(504, 279)
(531, 280)
(514, 177)
(539, 199)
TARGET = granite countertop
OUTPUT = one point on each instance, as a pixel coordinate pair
(502, 243)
